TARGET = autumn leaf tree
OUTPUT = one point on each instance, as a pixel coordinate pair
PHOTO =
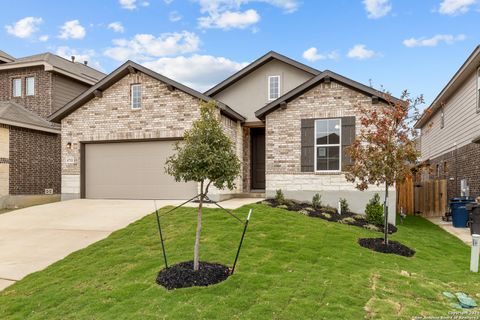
(207, 156)
(384, 151)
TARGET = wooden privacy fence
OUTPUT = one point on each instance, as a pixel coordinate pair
(428, 198)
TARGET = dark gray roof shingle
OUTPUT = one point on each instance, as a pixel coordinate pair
(14, 114)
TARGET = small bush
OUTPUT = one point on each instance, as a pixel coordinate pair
(310, 209)
(329, 210)
(347, 220)
(359, 217)
(344, 206)
(282, 206)
(266, 203)
(371, 227)
(374, 210)
(327, 215)
(304, 212)
(317, 201)
(279, 196)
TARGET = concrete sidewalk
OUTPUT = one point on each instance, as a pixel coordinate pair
(461, 233)
(35, 237)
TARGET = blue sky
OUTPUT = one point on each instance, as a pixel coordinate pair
(397, 44)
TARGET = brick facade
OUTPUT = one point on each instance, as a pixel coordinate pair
(163, 114)
(34, 162)
(41, 102)
(455, 165)
(283, 146)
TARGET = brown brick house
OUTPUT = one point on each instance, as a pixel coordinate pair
(290, 123)
(31, 88)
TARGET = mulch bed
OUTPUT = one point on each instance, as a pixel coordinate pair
(394, 247)
(181, 275)
(329, 214)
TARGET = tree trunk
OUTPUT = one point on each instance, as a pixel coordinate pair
(196, 251)
(385, 214)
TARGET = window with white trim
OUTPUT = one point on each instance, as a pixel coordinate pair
(17, 87)
(136, 96)
(273, 87)
(30, 86)
(328, 144)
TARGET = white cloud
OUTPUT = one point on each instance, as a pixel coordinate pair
(116, 27)
(227, 14)
(174, 16)
(168, 1)
(200, 72)
(454, 7)
(24, 28)
(361, 52)
(147, 46)
(80, 56)
(72, 30)
(230, 20)
(377, 8)
(132, 4)
(433, 41)
(313, 55)
(44, 38)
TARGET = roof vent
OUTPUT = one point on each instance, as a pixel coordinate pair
(85, 62)
(73, 58)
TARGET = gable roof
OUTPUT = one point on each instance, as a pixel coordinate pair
(257, 64)
(294, 93)
(54, 63)
(5, 57)
(14, 114)
(122, 71)
(470, 65)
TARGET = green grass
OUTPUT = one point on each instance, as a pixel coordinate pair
(291, 267)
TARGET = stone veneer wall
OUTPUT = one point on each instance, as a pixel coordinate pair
(455, 165)
(283, 148)
(41, 102)
(164, 114)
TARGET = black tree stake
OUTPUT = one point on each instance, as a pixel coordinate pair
(241, 241)
(161, 235)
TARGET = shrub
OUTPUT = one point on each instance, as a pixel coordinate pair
(282, 206)
(327, 215)
(344, 205)
(359, 217)
(317, 201)
(371, 227)
(279, 196)
(347, 220)
(374, 210)
(329, 210)
(310, 209)
(304, 212)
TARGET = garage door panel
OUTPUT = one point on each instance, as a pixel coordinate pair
(132, 170)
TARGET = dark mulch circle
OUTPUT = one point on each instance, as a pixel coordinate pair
(394, 247)
(332, 214)
(181, 275)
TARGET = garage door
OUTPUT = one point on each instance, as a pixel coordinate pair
(132, 170)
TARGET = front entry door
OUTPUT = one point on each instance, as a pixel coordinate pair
(258, 158)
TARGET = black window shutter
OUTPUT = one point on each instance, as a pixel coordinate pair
(308, 140)
(348, 137)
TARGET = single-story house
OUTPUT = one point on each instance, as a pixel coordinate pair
(290, 124)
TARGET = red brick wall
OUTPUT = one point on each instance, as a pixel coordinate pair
(455, 165)
(41, 102)
(35, 163)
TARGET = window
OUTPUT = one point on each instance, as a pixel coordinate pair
(273, 87)
(327, 144)
(17, 87)
(136, 93)
(442, 118)
(30, 86)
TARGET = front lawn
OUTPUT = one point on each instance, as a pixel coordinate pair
(291, 267)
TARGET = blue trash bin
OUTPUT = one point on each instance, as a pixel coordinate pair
(459, 211)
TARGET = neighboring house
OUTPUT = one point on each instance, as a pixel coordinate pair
(450, 131)
(31, 88)
(290, 124)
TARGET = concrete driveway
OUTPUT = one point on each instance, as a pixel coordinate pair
(35, 237)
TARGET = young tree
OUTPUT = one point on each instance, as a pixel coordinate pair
(384, 151)
(207, 156)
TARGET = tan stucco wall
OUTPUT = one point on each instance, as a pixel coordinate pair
(250, 93)
(164, 114)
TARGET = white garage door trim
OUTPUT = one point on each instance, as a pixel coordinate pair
(130, 170)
